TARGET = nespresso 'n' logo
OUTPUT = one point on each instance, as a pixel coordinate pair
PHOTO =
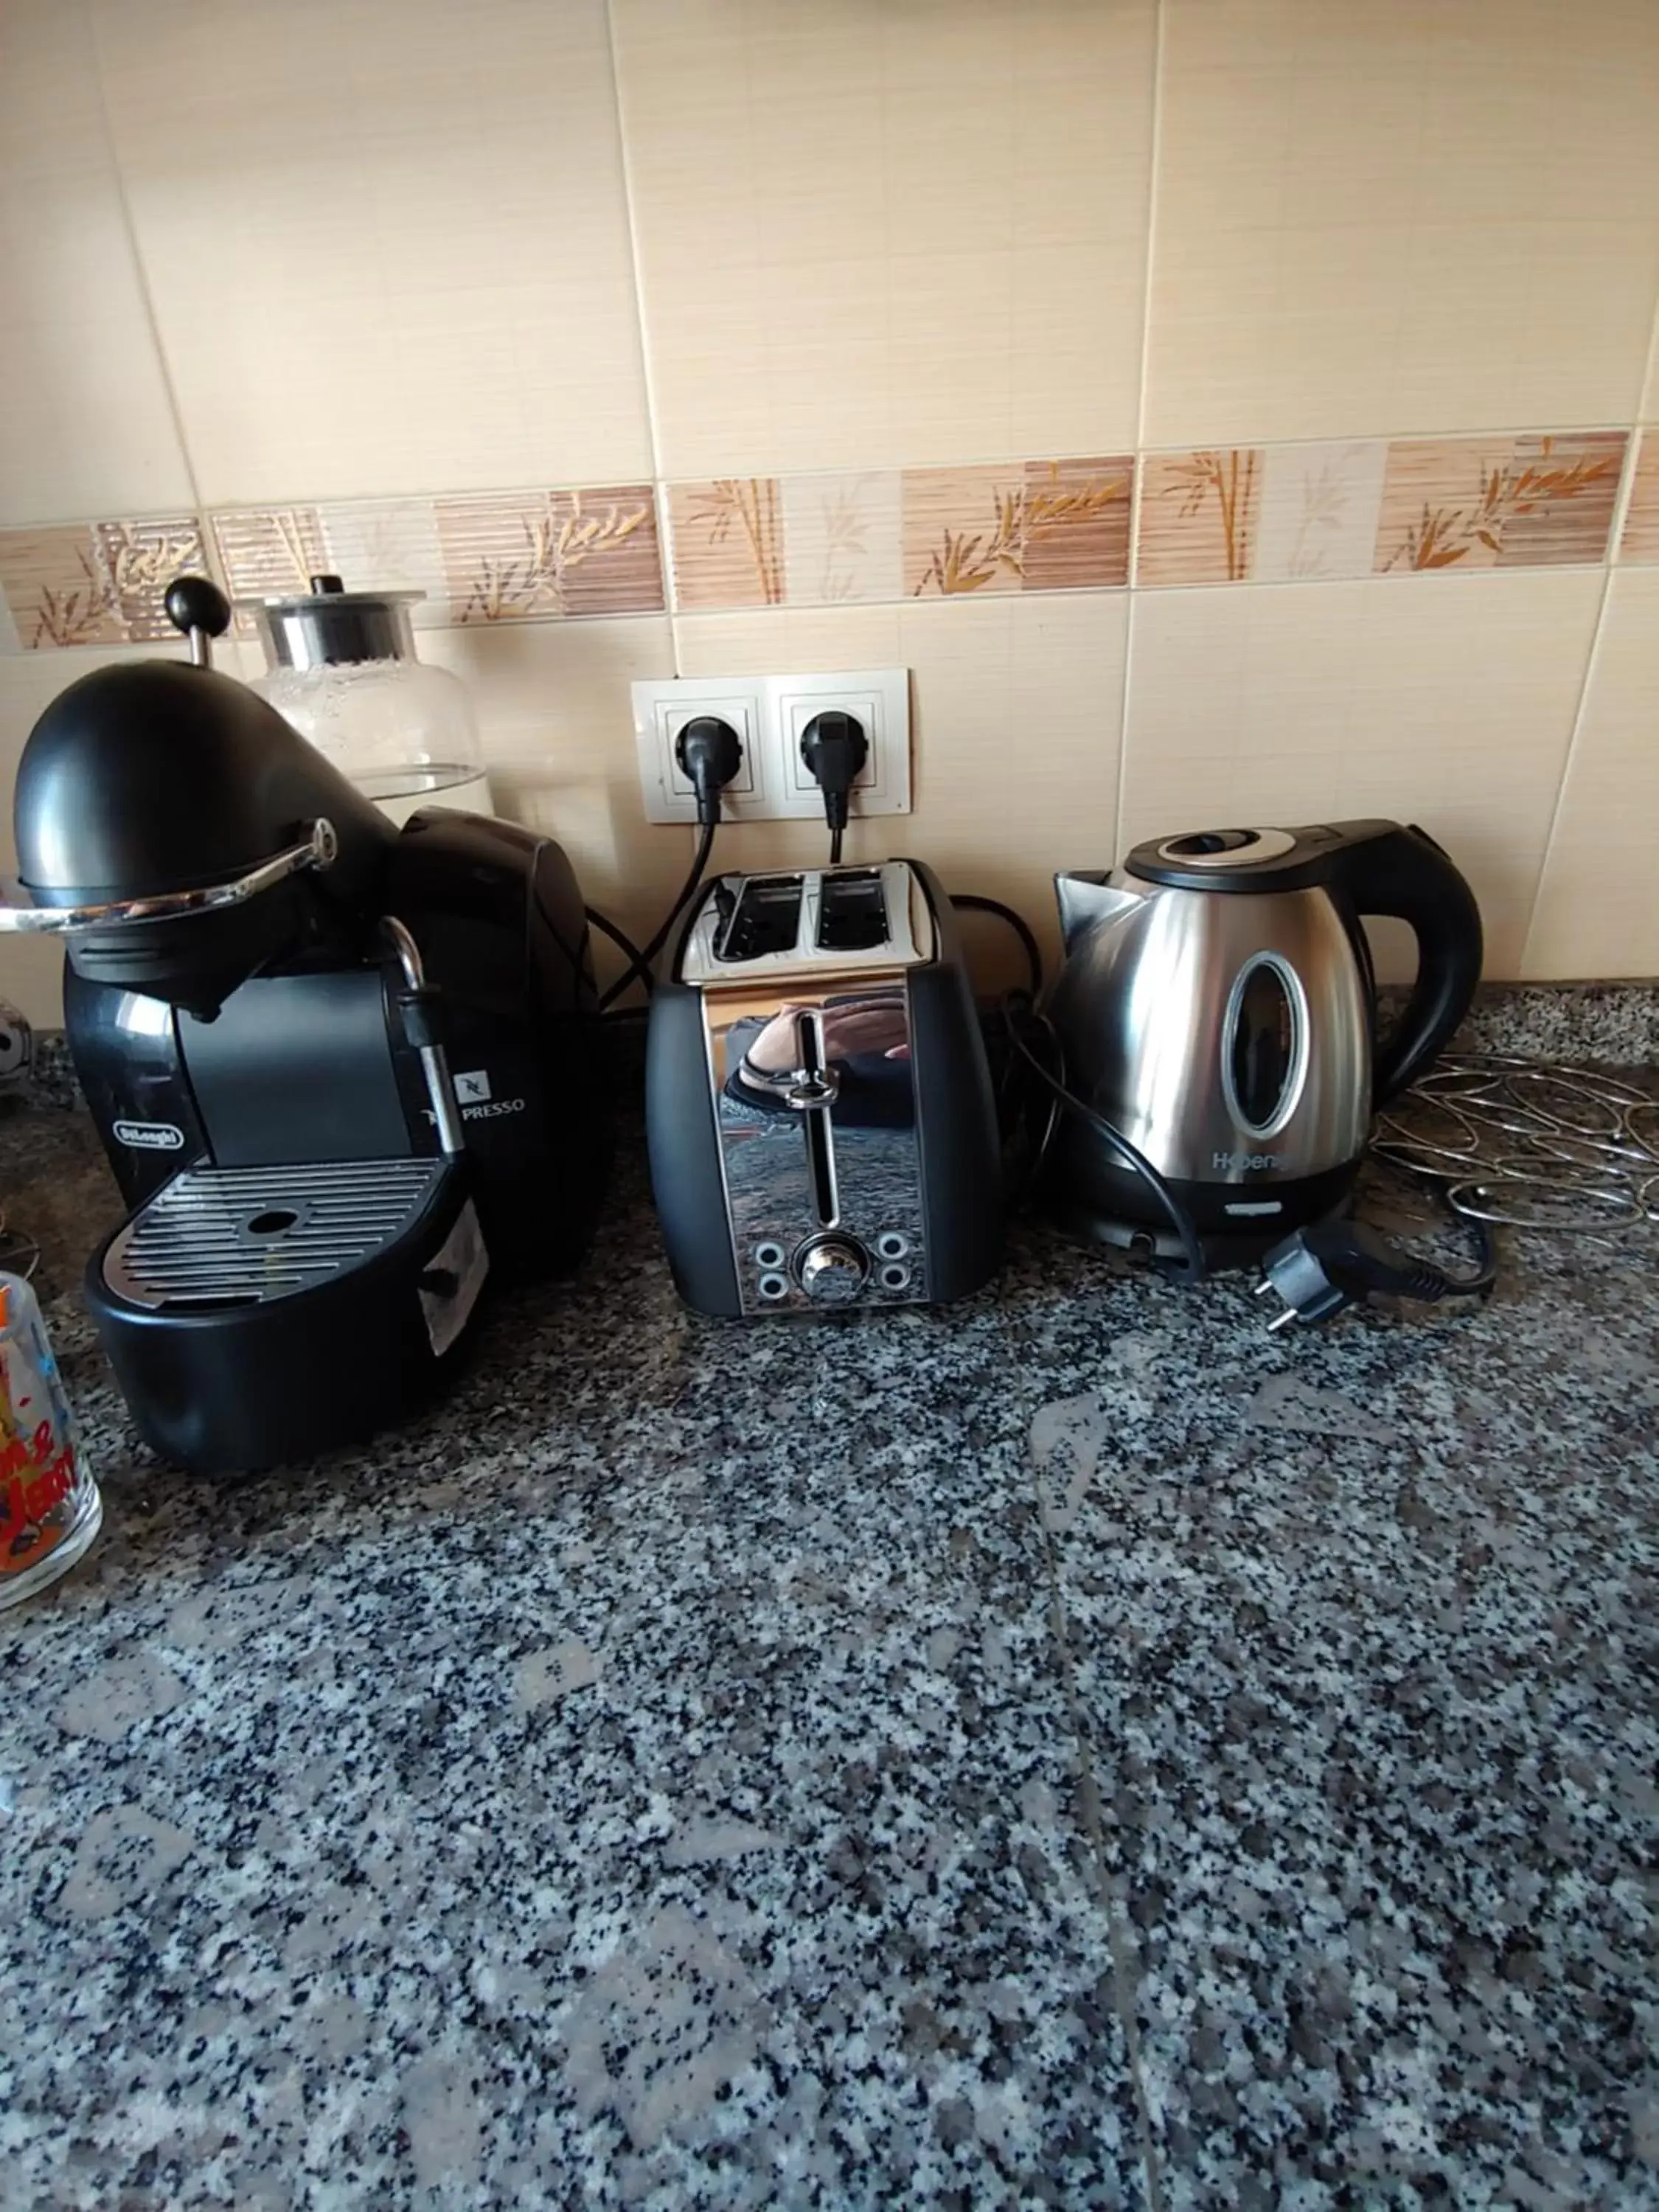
(150, 1136)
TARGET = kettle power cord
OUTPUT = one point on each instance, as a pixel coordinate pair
(1020, 1013)
(1020, 1016)
(1337, 1262)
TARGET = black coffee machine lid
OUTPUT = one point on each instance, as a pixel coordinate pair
(1250, 859)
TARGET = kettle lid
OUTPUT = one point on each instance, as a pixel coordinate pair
(1246, 860)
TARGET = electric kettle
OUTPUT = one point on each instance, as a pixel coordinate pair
(1218, 1007)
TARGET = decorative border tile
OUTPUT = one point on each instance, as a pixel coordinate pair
(1205, 515)
(533, 555)
(1043, 525)
(842, 539)
(1500, 503)
(96, 583)
(546, 556)
(1022, 526)
(1197, 515)
(1318, 510)
(1641, 539)
(726, 540)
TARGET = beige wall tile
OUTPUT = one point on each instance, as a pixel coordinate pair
(1406, 217)
(85, 424)
(1598, 904)
(557, 725)
(889, 237)
(1641, 538)
(1017, 704)
(1446, 701)
(387, 242)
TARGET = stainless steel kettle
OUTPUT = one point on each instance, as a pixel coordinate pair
(1217, 1007)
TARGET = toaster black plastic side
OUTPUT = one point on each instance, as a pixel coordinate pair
(955, 1116)
(683, 1146)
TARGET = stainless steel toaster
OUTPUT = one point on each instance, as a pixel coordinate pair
(819, 1111)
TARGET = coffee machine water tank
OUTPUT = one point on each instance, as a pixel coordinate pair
(342, 668)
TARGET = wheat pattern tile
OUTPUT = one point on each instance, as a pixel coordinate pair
(728, 545)
(961, 532)
(1197, 516)
(542, 556)
(264, 550)
(96, 583)
(389, 545)
(1021, 526)
(1641, 538)
(1498, 503)
(1074, 524)
(1317, 513)
(842, 539)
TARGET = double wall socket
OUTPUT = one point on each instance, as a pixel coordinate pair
(770, 715)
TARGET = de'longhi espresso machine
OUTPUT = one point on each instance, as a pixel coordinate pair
(343, 1071)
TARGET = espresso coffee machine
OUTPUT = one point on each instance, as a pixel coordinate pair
(343, 1071)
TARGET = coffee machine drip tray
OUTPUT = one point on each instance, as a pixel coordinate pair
(229, 1236)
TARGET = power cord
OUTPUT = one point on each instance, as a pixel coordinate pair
(710, 753)
(1336, 1263)
(970, 902)
(637, 971)
(834, 748)
(1019, 1015)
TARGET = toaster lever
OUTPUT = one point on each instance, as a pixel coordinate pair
(810, 1091)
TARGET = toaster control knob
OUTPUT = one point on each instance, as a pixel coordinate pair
(833, 1270)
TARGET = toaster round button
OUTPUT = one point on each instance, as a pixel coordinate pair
(768, 1255)
(774, 1286)
(832, 1271)
(891, 1245)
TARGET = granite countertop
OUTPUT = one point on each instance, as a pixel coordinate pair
(1073, 1749)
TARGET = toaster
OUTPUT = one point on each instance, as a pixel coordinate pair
(819, 1112)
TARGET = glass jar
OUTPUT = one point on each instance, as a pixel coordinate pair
(343, 669)
(50, 1508)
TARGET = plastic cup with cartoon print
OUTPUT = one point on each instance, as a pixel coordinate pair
(50, 1508)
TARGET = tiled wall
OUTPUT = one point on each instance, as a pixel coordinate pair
(1229, 408)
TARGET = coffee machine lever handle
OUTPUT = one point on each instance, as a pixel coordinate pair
(1385, 868)
(199, 611)
(317, 850)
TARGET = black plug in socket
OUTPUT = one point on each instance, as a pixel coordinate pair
(710, 752)
(834, 746)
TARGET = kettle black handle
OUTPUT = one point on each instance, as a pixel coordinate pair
(1383, 868)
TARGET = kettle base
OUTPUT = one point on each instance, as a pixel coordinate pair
(1112, 1207)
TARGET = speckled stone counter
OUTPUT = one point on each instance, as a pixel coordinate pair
(1074, 1749)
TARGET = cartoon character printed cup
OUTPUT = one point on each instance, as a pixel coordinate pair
(50, 1508)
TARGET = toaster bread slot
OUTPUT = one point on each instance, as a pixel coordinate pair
(852, 911)
(765, 920)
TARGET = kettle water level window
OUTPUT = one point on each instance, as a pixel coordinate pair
(1264, 1049)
